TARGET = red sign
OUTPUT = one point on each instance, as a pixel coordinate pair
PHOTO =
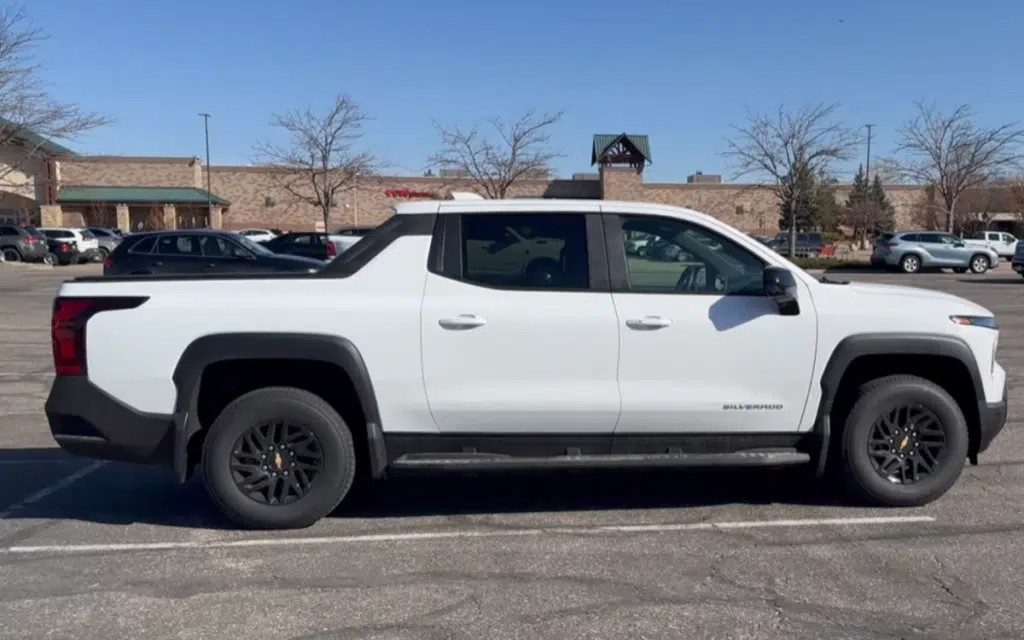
(406, 193)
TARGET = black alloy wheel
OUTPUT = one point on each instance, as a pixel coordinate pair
(277, 462)
(907, 444)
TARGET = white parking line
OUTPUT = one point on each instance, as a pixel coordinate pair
(63, 483)
(465, 533)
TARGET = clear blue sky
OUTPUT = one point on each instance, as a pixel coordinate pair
(680, 71)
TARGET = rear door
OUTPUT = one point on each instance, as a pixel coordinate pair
(937, 252)
(177, 253)
(526, 345)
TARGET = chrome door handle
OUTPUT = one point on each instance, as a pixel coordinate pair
(462, 321)
(648, 323)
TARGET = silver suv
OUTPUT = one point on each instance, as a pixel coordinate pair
(911, 251)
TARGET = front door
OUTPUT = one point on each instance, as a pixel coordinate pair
(703, 350)
(530, 347)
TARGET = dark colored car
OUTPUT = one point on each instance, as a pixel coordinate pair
(807, 244)
(62, 251)
(22, 244)
(199, 252)
(309, 244)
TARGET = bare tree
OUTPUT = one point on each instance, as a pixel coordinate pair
(319, 162)
(519, 150)
(788, 150)
(952, 153)
(30, 116)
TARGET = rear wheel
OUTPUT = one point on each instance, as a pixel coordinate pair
(12, 255)
(904, 443)
(979, 264)
(910, 264)
(278, 458)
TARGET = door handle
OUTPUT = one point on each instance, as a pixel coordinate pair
(158, 264)
(648, 323)
(211, 264)
(462, 321)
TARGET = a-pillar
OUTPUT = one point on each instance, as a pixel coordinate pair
(124, 221)
(170, 217)
(216, 216)
(51, 215)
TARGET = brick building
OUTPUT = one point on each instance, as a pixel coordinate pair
(60, 187)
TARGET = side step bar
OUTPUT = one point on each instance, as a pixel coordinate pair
(500, 462)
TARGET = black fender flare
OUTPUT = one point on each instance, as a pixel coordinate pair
(213, 348)
(872, 344)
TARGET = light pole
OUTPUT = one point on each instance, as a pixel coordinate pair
(867, 164)
(209, 192)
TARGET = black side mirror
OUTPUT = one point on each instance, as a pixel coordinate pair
(780, 285)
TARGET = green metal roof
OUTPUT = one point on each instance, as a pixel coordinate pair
(605, 141)
(33, 138)
(136, 195)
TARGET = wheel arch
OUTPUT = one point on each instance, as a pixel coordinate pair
(892, 353)
(218, 348)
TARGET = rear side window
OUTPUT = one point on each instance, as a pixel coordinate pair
(9, 231)
(178, 246)
(143, 245)
(58, 233)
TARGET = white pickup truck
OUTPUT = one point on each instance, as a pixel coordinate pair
(1001, 242)
(491, 335)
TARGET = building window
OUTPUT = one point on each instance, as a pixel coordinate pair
(740, 210)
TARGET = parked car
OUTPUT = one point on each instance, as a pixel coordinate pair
(63, 251)
(808, 245)
(88, 244)
(20, 244)
(1001, 242)
(258, 235)
(351, 235)
(443, 345)
(198, 252)
(108, 239)
(911, 251)
(309, 244)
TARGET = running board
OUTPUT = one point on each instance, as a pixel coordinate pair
(499, 462)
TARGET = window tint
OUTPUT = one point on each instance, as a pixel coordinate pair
(145, 245)
(58, 233)
(930, 238)
(526, 250)
(8, 231)
(178, 245)
(1008, 238)
(681, 257)
(100, 233)
(300, 239)
(214, 247)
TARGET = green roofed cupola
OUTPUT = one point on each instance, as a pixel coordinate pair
(629, 149)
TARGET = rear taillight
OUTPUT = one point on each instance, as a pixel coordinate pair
(67, 328)
(107, 262)
(331, 251)
(888, 245)
(64, 246)
(31, 239)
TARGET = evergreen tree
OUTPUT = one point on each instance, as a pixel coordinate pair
(827, 211)
(861, 192)
(814, 199)
(885, 220)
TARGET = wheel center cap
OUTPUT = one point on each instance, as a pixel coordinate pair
(903, 443)
(277, 461)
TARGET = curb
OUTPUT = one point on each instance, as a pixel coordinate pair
(25, 265)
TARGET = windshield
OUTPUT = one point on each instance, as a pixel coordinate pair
(255, 247)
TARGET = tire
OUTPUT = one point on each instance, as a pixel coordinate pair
(12, 255)
(910, 263)
(50, 259)
(326, 489)
(878, 398)
(979, 263)
(104, 252)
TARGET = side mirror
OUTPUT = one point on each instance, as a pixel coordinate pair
(780, 285)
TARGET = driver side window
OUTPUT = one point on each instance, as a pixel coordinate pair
(665, 255)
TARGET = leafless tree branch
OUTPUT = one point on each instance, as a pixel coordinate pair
(29, 115)
(951, 152)
(319, 162)
(519, 150)
(787, 150)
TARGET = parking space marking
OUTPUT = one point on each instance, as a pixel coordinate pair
(463, 533)
(63, 483)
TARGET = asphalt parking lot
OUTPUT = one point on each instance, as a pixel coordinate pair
(92, 549)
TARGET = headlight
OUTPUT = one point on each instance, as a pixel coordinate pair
(988, 322)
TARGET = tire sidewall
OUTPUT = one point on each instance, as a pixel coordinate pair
(911, 259)
(329, 487)
(858, 427)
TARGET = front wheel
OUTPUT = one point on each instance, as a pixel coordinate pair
(904, 443)
(979, 264)
(278, 458)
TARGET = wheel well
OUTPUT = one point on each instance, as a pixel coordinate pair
(949, 373)
(224, 381)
